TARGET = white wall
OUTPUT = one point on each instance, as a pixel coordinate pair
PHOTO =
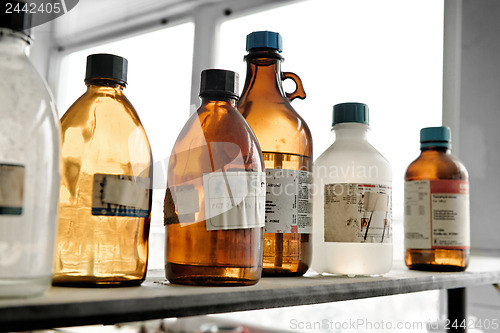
(479, 117)
(473, 88)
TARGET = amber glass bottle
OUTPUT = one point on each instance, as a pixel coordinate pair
(214, 205)
(286, 144)
(105, 196)
(437, 230)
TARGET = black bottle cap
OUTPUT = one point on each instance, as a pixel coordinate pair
(16, 20)
(219, 83)
(106, 66)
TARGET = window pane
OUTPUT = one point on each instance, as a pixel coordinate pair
(159, 86)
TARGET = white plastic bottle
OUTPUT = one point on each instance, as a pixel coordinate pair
(29, 166)
(352, 200)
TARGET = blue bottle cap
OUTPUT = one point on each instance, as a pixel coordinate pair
(435, 137)
(264, 39)
(350, 113)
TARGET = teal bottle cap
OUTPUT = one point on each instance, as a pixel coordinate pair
(435, 137)
(264, 39)
(350, 113)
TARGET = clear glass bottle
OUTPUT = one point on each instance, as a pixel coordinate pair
(29, 165)
(105, 196)
(286, 143)
(437, 217)
(215, 200)
(352, 200)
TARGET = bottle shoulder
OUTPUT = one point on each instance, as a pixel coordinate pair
(254, 107)
(109, 108)
(352, 161)
(104, 126)
(220, 125)
(278, 127)
(436, 166)
(27, 107)
(360, 150)
(22, 84)
(214, 140)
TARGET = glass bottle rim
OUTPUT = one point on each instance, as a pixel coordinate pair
(263, 52)
(95, 81)
(14, 33)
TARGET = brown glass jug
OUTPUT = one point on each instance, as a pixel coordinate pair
(437, 227)
(214, 204)
(286, 144)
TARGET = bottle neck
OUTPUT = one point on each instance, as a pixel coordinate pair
(104, 85)
(228, 102)
(13, 42)
(435, 150)
(263, 72)
(351, 131)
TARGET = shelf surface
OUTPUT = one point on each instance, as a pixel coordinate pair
(156, 298)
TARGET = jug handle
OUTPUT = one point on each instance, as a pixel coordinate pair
(299, 90)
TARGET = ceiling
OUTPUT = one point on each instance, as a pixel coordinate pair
(90, 19)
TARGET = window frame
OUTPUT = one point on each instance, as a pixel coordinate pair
(205, 14)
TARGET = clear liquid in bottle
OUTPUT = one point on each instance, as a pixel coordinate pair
(352, 201)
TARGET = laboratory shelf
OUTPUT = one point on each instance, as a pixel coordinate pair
(156, 298)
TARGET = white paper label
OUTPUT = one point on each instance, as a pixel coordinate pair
(358, 213)
(234, 200)
(437, 214)
(11, 189)
(120, 195)
(187, 199)
(288, 201)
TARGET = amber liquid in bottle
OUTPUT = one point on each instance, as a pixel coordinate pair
(436, 163)
(215, 139)
(286, 143)
(102, 135)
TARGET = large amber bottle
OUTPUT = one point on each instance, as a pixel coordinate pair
(286, 144)
(105, 196)
(214, 205)
(437, 218)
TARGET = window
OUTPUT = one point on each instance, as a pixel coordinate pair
(159, 86)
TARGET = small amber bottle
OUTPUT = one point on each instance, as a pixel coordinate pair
(437, 227)
(214, 204)
(105, 194)
(286, 144)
